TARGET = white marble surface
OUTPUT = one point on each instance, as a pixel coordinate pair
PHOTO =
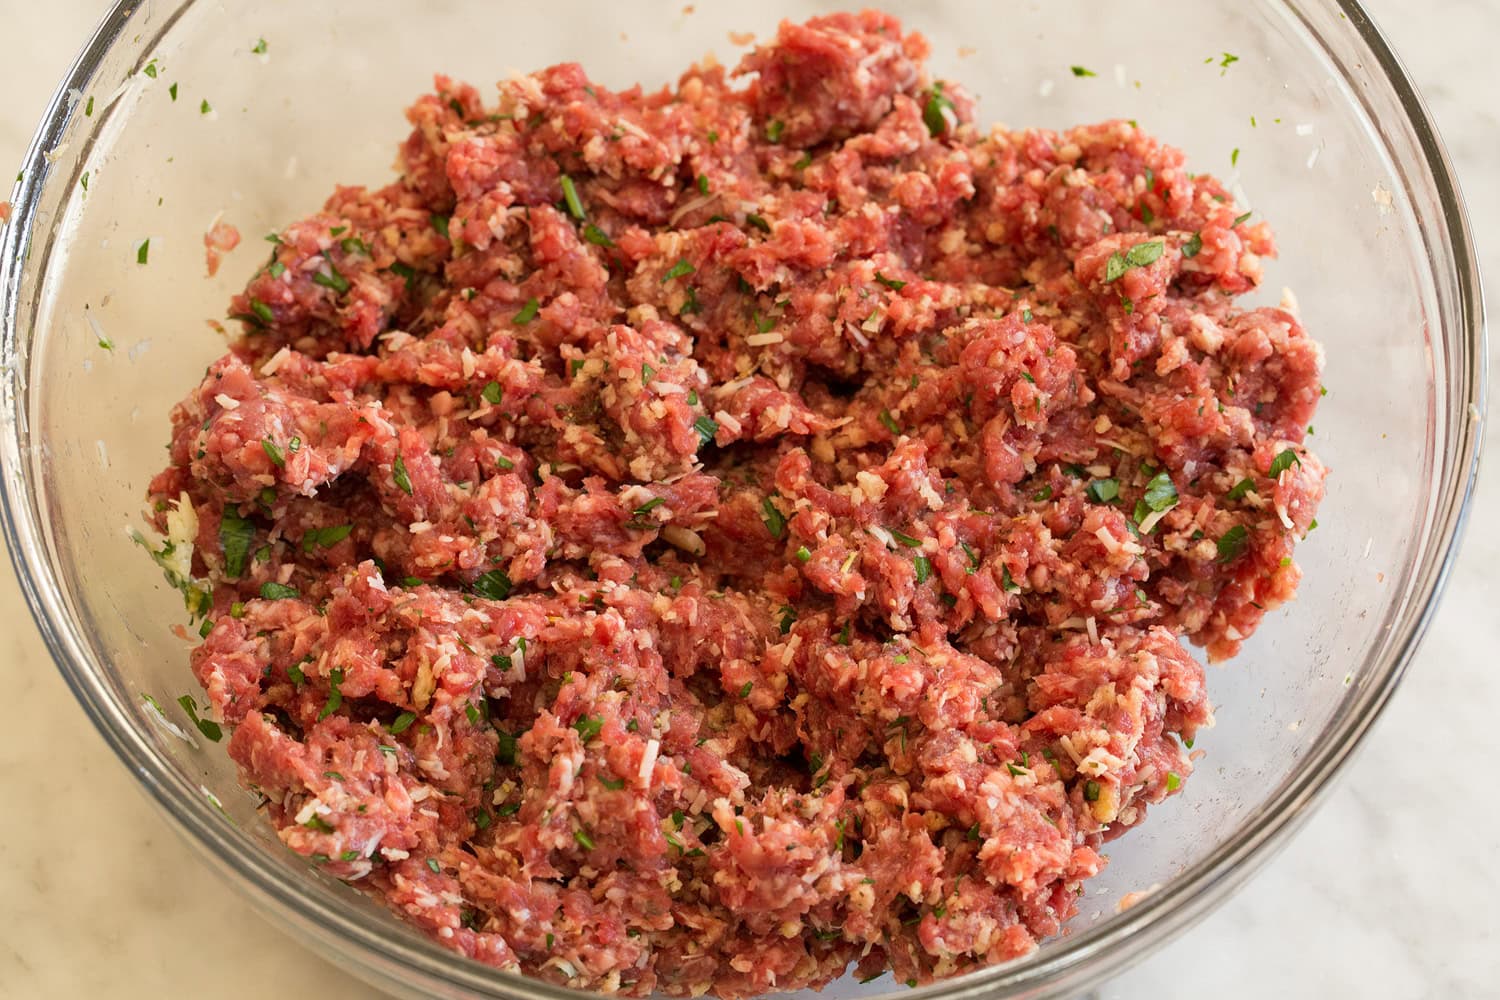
(98, 897)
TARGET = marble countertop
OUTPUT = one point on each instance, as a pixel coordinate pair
(99, 897)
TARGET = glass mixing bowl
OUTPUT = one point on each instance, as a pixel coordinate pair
(173, 118)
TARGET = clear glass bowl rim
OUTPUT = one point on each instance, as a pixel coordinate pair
(1110, 946)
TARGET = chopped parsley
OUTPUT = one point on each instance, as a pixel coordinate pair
(1246, 485)
(774, 519)
(1161, 494)
(494, 585)
(1232, 543)
(681, 269)
(890, 283)
(889, 422)
(273, 452)
(570, 196)
(325, 538)
(143, 252)
(597, 236)
(506, 751)
(707, 428)
(933, 110)
(205, 107)
(584, 840)
(1242, 219)
(335, 695)
(399, 475)
(758, 222)
(402, 723)
(1139, 255)
(774, 128)
(702, 184)
(907, 540)
(273, 591)
(745, 691)
(208, 727)
(260, 47)
(588, 727)
(1174, 781)
(1193, 246)
(333, 279)
(527, 313)
(1091, 791)
(236, 535)
(1282, 462)
(491, 393)
(923, 566)
(1103, 490)
(1082, 71)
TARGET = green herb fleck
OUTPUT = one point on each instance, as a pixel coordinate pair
(403, 722)
(680, 269)
(1174, 781)
(932, 110)
(584, 840)
(1193, 246)
(707, 428)
(143, 252)
(597, 236)
(774, 519)
(1082, 71)
(208, 727)
(1246, 485)
(236, 534)
(1161, 494)
(326, 538)
(494, 585)
(1282, 462)
(774, 128)
(335, 696)
(923, 566)
(333, 279)
(570, 195)
(1103, 490)
(272, 591)
(1232, 543)
(890, 283)
(399, 476)
(507, 751)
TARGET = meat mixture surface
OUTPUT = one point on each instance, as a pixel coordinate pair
(727, 537)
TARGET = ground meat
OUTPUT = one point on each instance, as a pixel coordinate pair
(219, 240)
(721, 537)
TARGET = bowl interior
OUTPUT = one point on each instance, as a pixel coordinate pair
(188, 125)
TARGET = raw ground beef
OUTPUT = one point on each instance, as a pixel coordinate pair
(714, 538)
